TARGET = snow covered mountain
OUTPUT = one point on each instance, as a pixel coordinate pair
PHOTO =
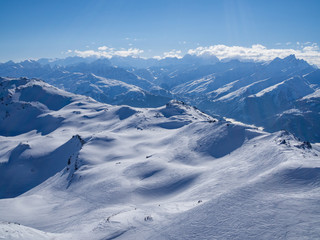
(267, 94)
(172, 172)
(259, 95)
(97, 79)
(109, 90)
(135, 62)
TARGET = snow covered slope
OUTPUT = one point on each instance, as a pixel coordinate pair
(13, 231)
(109, 90)
(98, 79)
(27, 108)
(173, 172)
(258, 95)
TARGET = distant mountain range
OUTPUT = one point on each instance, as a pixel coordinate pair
(280, 94)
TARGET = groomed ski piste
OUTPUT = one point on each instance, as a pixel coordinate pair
(74, 168)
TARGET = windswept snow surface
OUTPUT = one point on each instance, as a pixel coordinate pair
(173, 172)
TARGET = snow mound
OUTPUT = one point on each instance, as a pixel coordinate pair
(26, 105)
(15, 231)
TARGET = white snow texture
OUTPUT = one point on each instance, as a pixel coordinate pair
(75, 168)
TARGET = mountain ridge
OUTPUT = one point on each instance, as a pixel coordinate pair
(214, 86)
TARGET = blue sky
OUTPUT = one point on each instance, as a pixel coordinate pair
(49, 28)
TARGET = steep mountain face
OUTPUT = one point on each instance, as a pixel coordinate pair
(172, 172)
(303, 119)
(256, 104)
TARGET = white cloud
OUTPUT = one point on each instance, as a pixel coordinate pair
(108, 52)
(134, 39)
(173, 53)
(310, 52)
(259, 52)
(66, 52)
(312, 47)
(128, 52)
(103, 48)
(157, 57)
(87, 53)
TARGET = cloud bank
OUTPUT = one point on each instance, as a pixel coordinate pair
(309, 52)
(258, 52)
(108, 52)
(171, 54)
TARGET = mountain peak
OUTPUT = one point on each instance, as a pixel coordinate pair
(289, 61)
(290, 57)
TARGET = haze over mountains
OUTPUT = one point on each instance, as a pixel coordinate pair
(275, 95)
(75, 168)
